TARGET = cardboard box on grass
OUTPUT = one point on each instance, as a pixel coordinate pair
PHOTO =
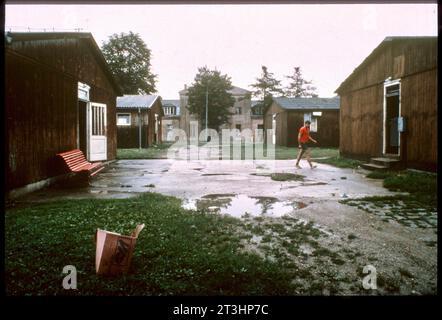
(114, 251)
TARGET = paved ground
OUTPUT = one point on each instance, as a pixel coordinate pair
(193, 179)
(389, 246)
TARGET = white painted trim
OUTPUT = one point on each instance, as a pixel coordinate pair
(387, 83)
(125, 114)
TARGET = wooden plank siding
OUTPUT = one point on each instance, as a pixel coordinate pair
(39, 123)
(414, 62)
(419, 103)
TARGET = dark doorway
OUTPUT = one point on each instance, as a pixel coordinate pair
(82, 131)
(391, 121)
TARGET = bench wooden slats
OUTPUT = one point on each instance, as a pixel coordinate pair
(76, 162)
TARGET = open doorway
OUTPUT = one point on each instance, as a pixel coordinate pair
(82, 130)
(392, 114)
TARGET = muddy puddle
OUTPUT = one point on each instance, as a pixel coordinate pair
(239, 205)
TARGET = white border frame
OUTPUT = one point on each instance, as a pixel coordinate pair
(388, 83)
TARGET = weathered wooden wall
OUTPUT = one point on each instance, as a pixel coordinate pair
(327, 134)
(361, 121)
(128, 136)
(419, 107)
(41, 118)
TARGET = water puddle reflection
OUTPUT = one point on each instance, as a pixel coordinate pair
(240, 205)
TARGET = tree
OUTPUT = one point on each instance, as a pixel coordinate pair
(129, 60)
(298, 86)
(266, 86)
(216, 86)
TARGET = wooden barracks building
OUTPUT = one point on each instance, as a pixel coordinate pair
(59, 95)
(389, 105)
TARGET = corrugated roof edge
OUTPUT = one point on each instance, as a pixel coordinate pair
(279, 101)
(138, 106)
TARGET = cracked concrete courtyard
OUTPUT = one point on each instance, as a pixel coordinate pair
(405, 257)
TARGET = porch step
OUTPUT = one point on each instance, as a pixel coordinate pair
(373, 167)
(387, 162)
(383, 163)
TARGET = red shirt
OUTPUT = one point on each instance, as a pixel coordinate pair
(305, 133)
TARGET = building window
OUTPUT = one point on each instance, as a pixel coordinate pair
(238, 110)
(83, 91)
(123, 119)
(238, 126)
(313, 121)
(170, 110)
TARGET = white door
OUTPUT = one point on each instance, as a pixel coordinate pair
(96, 132)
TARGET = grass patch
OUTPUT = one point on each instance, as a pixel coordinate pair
(158, 151)
(178, 253)
(287, 177)
(340, 162)
(379, 174)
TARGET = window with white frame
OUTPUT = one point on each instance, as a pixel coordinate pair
(123, 119)
(169, 110)
(313, 118)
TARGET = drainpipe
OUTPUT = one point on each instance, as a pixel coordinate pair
(139, 129)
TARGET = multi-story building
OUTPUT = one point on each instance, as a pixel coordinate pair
(243, 116)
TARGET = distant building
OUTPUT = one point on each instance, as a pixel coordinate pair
(286, 115)
(389, 103)
(242, 115)
(171, 119)
(139, 121)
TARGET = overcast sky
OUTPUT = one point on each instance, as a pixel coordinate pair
(327, 41)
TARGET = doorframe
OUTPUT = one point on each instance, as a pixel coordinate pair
(388, 83)
(83, 94)
(89, 127)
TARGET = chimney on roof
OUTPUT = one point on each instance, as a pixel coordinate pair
(185, 87)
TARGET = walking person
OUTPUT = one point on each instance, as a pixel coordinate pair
(303, 139)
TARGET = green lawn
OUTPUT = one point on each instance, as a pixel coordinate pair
(158, 151)
(177, 253)
(281, 152)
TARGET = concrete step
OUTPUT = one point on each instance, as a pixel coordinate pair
(388, 162)
(372, 166)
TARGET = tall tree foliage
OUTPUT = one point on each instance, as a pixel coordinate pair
(298, 86)
(129, 60)
(266, 87)
(216, 86)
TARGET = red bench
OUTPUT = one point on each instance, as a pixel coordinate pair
(76, 162)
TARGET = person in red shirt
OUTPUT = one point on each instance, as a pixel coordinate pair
(303, 139)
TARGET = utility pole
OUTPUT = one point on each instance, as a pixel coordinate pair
(207, 104)
(139, 128)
